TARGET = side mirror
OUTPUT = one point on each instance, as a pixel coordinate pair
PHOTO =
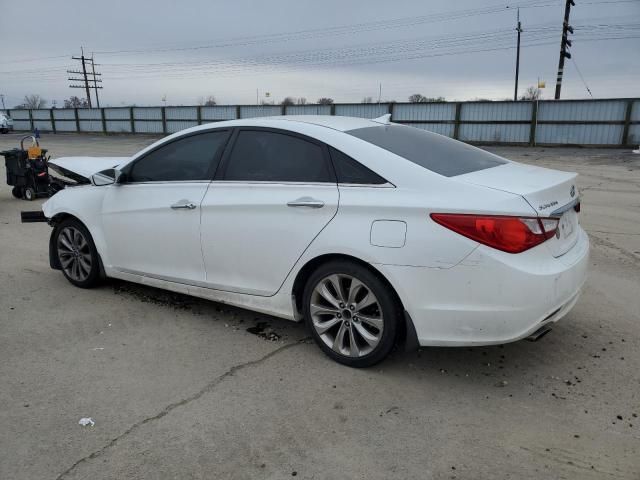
(106, 177)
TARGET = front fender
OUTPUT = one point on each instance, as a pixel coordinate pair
(83, 203)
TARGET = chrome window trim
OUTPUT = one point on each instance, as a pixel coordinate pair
(315, 184)
(164, 182)
(567, 207)
(270, 182)
(368, 185)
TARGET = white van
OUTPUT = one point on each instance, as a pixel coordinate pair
(6, 122)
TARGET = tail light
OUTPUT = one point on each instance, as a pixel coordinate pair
(509, 234)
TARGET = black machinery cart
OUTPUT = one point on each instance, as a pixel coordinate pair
(28, 171)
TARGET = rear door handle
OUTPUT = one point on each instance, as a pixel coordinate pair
(183, 206)
(306, 202)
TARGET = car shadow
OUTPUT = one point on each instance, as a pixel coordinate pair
(562, 354)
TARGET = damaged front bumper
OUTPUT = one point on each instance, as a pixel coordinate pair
(33, 216)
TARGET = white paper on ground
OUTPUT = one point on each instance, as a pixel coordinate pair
(87, 421)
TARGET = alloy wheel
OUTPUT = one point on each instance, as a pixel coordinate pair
(74, 254)
(346, 315)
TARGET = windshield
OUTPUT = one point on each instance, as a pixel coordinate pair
(434, 152)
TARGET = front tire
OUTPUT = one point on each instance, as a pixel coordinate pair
(77, 254)
(29, 193)
(352, 314)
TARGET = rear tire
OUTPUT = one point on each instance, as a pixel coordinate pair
(352, 314)
(77, 254)
(16, 192)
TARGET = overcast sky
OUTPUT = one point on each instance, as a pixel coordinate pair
(343, 49)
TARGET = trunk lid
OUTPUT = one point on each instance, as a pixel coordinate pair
(80, 169)
(551, 193)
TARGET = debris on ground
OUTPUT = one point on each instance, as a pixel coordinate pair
(264, 330)
(86, 421)
(154, 295)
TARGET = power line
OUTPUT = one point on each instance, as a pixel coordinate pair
(182, 73)
(422, 48)
(581, 77)
(401, 22)
(348, 29)
(38, 59)
(447, 45)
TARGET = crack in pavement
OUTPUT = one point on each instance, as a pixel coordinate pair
(169, 408)
(612, 233)
(601, 242)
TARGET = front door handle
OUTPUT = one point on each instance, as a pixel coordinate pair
(183, 206)
(306, 202)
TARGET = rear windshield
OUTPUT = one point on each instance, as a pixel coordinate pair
(434, 152)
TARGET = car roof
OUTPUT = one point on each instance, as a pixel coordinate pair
(330, 121)
(341, 124)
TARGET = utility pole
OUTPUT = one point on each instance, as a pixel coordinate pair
(565, 42)
(95, 81)
(519, 30)
(2, 97)
(85, 77)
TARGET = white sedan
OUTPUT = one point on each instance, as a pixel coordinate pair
(373, 233)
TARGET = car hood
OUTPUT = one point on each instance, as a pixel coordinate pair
(80, 169)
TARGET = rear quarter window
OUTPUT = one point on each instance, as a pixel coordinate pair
(434, 152)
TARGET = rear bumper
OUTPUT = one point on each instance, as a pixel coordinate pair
(491, 297)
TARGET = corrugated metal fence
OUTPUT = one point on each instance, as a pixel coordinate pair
(602, 122)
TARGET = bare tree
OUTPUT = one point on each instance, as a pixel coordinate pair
(288, 101)
(301, 101)
(210, 101)
(34, 101)
(419, 98)
(532, 93)
(367, 100)
(76, 102)
(325, 101)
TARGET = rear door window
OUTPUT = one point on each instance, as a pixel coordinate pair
(434, 152)
(267, 156)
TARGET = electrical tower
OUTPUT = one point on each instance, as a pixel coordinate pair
(566, 30)
(85, 77)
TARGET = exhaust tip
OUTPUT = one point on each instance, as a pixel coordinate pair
(538, 334)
